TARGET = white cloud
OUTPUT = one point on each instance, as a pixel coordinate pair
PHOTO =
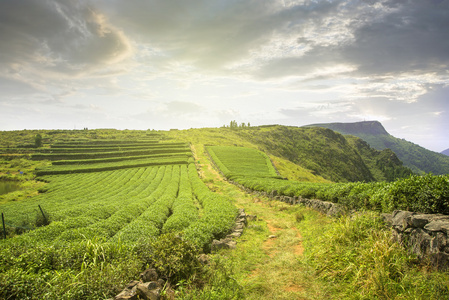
(206, 62)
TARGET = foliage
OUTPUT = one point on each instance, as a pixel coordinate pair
(115, 202)
(38, 141)
(234, 125)
(427, 194)
(88, 269)
(363, 262)
(225, 137)
(325, 152)
(218, 214)
(175, 258)
(415, 157)
(122, 202)
(216, 282)
(384, 164)
(184, 210)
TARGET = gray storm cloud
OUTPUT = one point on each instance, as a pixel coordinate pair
(374, 37)
(57, 36)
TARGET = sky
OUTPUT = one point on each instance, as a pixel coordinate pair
(142, 64)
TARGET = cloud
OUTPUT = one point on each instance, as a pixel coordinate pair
(387, 37)
(206, 62)
(182, 107)
(227, 115)
(410, 38)
(10, 87)
(57, 37)
(321, 112)
(214, 34)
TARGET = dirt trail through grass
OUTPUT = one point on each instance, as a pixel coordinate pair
(268, 259)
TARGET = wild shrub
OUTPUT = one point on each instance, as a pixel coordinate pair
(363, 262)
(174, 257)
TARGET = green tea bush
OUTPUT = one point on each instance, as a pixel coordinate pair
(174, 257)
(241, 161)
(218, 214)
(427, 194)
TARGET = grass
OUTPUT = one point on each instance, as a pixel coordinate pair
(28, 187)
(313, 256)
(363, 261)
(262, 267)
(226, 137)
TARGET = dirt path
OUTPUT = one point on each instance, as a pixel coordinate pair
(269, 253)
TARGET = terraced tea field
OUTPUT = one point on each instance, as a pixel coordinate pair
(112, 193)
(241, 161)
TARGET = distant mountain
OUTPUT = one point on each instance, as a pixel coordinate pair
(445, 152)
(417, 158)
(366, 128)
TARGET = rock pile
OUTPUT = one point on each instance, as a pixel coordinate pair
(325, 207)
(228, 242)
(426, 235)
(148, 288)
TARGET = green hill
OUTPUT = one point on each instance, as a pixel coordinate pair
(417, 158)
(323, 152)
(445, 152)
(299, 153)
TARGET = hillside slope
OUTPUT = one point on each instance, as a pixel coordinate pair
(417, 158)
(328, 154)
(323, 152)
(445, 152)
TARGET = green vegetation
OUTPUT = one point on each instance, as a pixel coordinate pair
(99, 215)
(361, 261)
(326, 153)
(38, 140)
(218, 214)
(314, 257)
(240, 161)
(426, 194)
(319, 154)
(415, 157)
(116, 202)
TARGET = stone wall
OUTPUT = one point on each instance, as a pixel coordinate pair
(328, 208)
(426, 235)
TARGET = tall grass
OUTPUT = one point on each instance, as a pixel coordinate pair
(357, 256)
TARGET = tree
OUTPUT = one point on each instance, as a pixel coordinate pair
(233, 124)
(38, 140)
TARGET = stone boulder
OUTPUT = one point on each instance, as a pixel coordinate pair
(149, 275)
(129, 292)
(226, 243)
(399, 219)
(149, 290)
